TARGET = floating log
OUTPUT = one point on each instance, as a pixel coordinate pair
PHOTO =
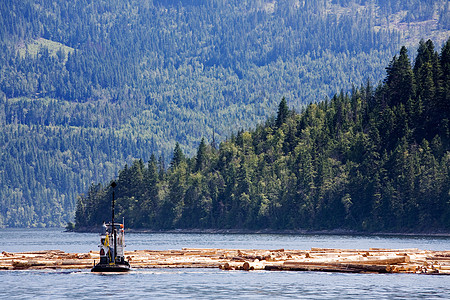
(333, 267)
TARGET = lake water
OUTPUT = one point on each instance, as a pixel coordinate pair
(214, 283)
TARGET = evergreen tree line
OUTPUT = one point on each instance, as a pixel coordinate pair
(377, 159)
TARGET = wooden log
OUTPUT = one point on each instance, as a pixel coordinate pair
(238, 258)
(73, 262)
(40, 263)
(376, 261)
(439, 258)
(411, 250)
(21, 264)
(41, 252)
(329, 267)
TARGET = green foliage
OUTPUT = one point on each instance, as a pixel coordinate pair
(354, 162)
(121, 79)
(399, 80)
(283, 111)
(70, 226)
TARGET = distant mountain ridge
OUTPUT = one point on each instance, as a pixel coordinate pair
(124, 79)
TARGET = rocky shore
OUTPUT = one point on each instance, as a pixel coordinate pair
(373, 260)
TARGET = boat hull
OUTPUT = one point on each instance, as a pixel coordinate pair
(111, 268)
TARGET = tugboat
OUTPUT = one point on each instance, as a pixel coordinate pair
(112, 244)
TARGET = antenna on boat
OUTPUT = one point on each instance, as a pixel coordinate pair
(113, 185)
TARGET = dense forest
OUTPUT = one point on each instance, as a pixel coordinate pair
(375, 159)
(87, 86)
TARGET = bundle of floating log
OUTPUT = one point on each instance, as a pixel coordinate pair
(374, 260)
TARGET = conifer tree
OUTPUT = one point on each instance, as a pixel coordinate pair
(445, 66)
(201, 156)
(283, 112)
(400, 79)
(178, 156)
(423, 71)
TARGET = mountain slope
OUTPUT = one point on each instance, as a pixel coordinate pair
(124, 79)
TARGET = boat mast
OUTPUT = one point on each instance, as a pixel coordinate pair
(113, 185)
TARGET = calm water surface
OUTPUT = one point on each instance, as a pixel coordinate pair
(214, 283)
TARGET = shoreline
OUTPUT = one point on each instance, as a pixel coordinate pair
(336, 232)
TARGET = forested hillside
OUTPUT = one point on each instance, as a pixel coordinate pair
(86, 86)
(377, 159)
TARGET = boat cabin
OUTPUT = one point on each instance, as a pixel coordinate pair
(108, 243)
